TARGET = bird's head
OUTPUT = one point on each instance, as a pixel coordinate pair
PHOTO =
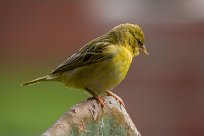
(132, 37)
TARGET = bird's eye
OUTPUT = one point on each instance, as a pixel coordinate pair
(139, 43)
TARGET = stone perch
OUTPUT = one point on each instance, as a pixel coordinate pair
(88, 119)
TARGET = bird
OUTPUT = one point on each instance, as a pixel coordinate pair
(101, 64)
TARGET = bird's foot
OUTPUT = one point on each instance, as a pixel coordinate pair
(99, 99)
(109, 93)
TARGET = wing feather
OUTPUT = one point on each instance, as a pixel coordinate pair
(90, 53)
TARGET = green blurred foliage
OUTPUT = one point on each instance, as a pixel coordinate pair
(30, 110)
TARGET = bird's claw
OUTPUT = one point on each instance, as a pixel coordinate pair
(109, 93)
(99, 99)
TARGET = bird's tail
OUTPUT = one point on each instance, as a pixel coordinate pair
(44, 78)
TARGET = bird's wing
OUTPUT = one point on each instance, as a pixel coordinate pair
(90, 53)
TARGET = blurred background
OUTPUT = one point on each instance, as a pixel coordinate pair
(163, 92)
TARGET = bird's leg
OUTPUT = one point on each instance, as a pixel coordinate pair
(109, 93)
(99, 99)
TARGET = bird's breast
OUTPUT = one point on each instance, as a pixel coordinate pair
(115, 70)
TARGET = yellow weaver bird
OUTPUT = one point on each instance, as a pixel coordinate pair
(101, 64)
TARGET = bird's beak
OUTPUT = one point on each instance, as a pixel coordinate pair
(144, 50)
